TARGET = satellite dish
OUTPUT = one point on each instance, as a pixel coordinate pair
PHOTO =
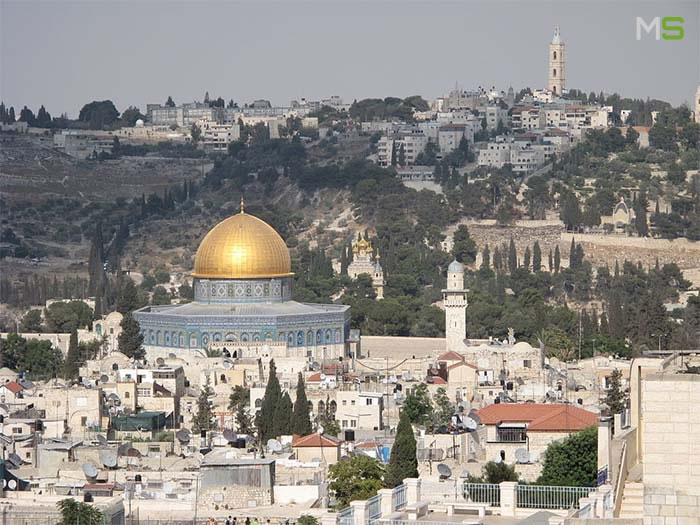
(498, 459)
(473, 414)
(89, 470)
(160, 361)
(108, 459)
(273, 445)
(183, 435)
(228, 365)
(104, 379)
(320, 430)
(522, 455)
(102, 440)
(470, 424)
(172, 356)
(323, 377)
(230, 435)
(444, 470)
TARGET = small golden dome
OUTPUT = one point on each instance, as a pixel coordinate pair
(242, 247)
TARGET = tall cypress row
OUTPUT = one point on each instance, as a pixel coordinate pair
(301, 420)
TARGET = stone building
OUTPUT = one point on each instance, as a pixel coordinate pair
(455, 301)
(234, 482)
(556, 75)
(362, 264)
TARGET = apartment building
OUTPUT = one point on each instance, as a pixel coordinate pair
(389, 148)
(217, 137)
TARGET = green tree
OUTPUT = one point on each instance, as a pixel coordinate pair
(417, 405)
(464, 248)
(99, 114)
(512, 256)
(64, 317)
(570, 213)
(128, 299)
(572, 461)
(76, 512)
(204, 418)
(283, 416)
(195, 133)
(557, 259)
(631, 136)
(536, 257)
(131, 339)
(265, 419)
(160, 296)
(31, 321)
(301, 420)
(72, 362)
(170, 102)
(615, 398)
(402, 462)
(640, 217)
(495, 473)
(307, 519)
(443, 407)
(663, 136)
(356, 478)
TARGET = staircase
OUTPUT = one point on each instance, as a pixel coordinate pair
(632, 500)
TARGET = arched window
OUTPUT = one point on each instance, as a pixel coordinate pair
(309, 338)
(554, 89)
(300, 338)
(258, 403)
(193, 341)
(337, 335)
(329, 336)
(290, 339)
(333, 406)
(256, 337)
(555, 55)
(223, 378)
(321, 407)
(115, 366)
(244, 337)
(554, 73)
(126, 395)
(319, 337)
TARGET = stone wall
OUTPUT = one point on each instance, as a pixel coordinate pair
(664, 506)
(235, 497)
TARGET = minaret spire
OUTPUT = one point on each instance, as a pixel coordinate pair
(242, 205)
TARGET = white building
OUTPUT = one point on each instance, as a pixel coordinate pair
(217, 137)
(450, 136)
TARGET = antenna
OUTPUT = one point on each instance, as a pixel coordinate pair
(522, 455)
(445, 471)
(89, 470)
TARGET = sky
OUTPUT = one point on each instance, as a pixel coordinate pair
(64, 54)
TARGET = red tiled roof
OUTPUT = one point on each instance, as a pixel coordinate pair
(451, 356)
(14, 387)
(437, 380)
(314, 378)
(314, 440)
(462, 363)
(540, 417)
(367, 444)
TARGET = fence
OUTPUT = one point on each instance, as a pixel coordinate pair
(398, 498)
(345, 516)
(482, 493)
(550, 497)
(374, 508)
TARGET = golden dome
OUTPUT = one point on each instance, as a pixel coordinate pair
(242, 247)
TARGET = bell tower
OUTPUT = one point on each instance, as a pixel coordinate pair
(556, 76)
(454, 298)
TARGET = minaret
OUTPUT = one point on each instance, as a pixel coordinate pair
(697, 105)
(556, 76)
(454, 298)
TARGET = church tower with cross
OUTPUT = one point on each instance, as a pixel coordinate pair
(556, 76)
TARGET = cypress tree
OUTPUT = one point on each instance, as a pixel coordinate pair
(536, 257)
(265, 420)
(497, 262)
(572, 254)
(301, 421)
(550, 262)
(512, 256)
(131, 338)
(557, 259)
(526, 259)
(283, 416)
(402, 462)
(486, 258)
(72, 363)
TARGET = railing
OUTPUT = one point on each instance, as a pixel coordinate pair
(511, 435)
(482, 493)
(345, 516)
(550, 497)
(620, 481)
(398, 498)
(374, 508)
(442, 491)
